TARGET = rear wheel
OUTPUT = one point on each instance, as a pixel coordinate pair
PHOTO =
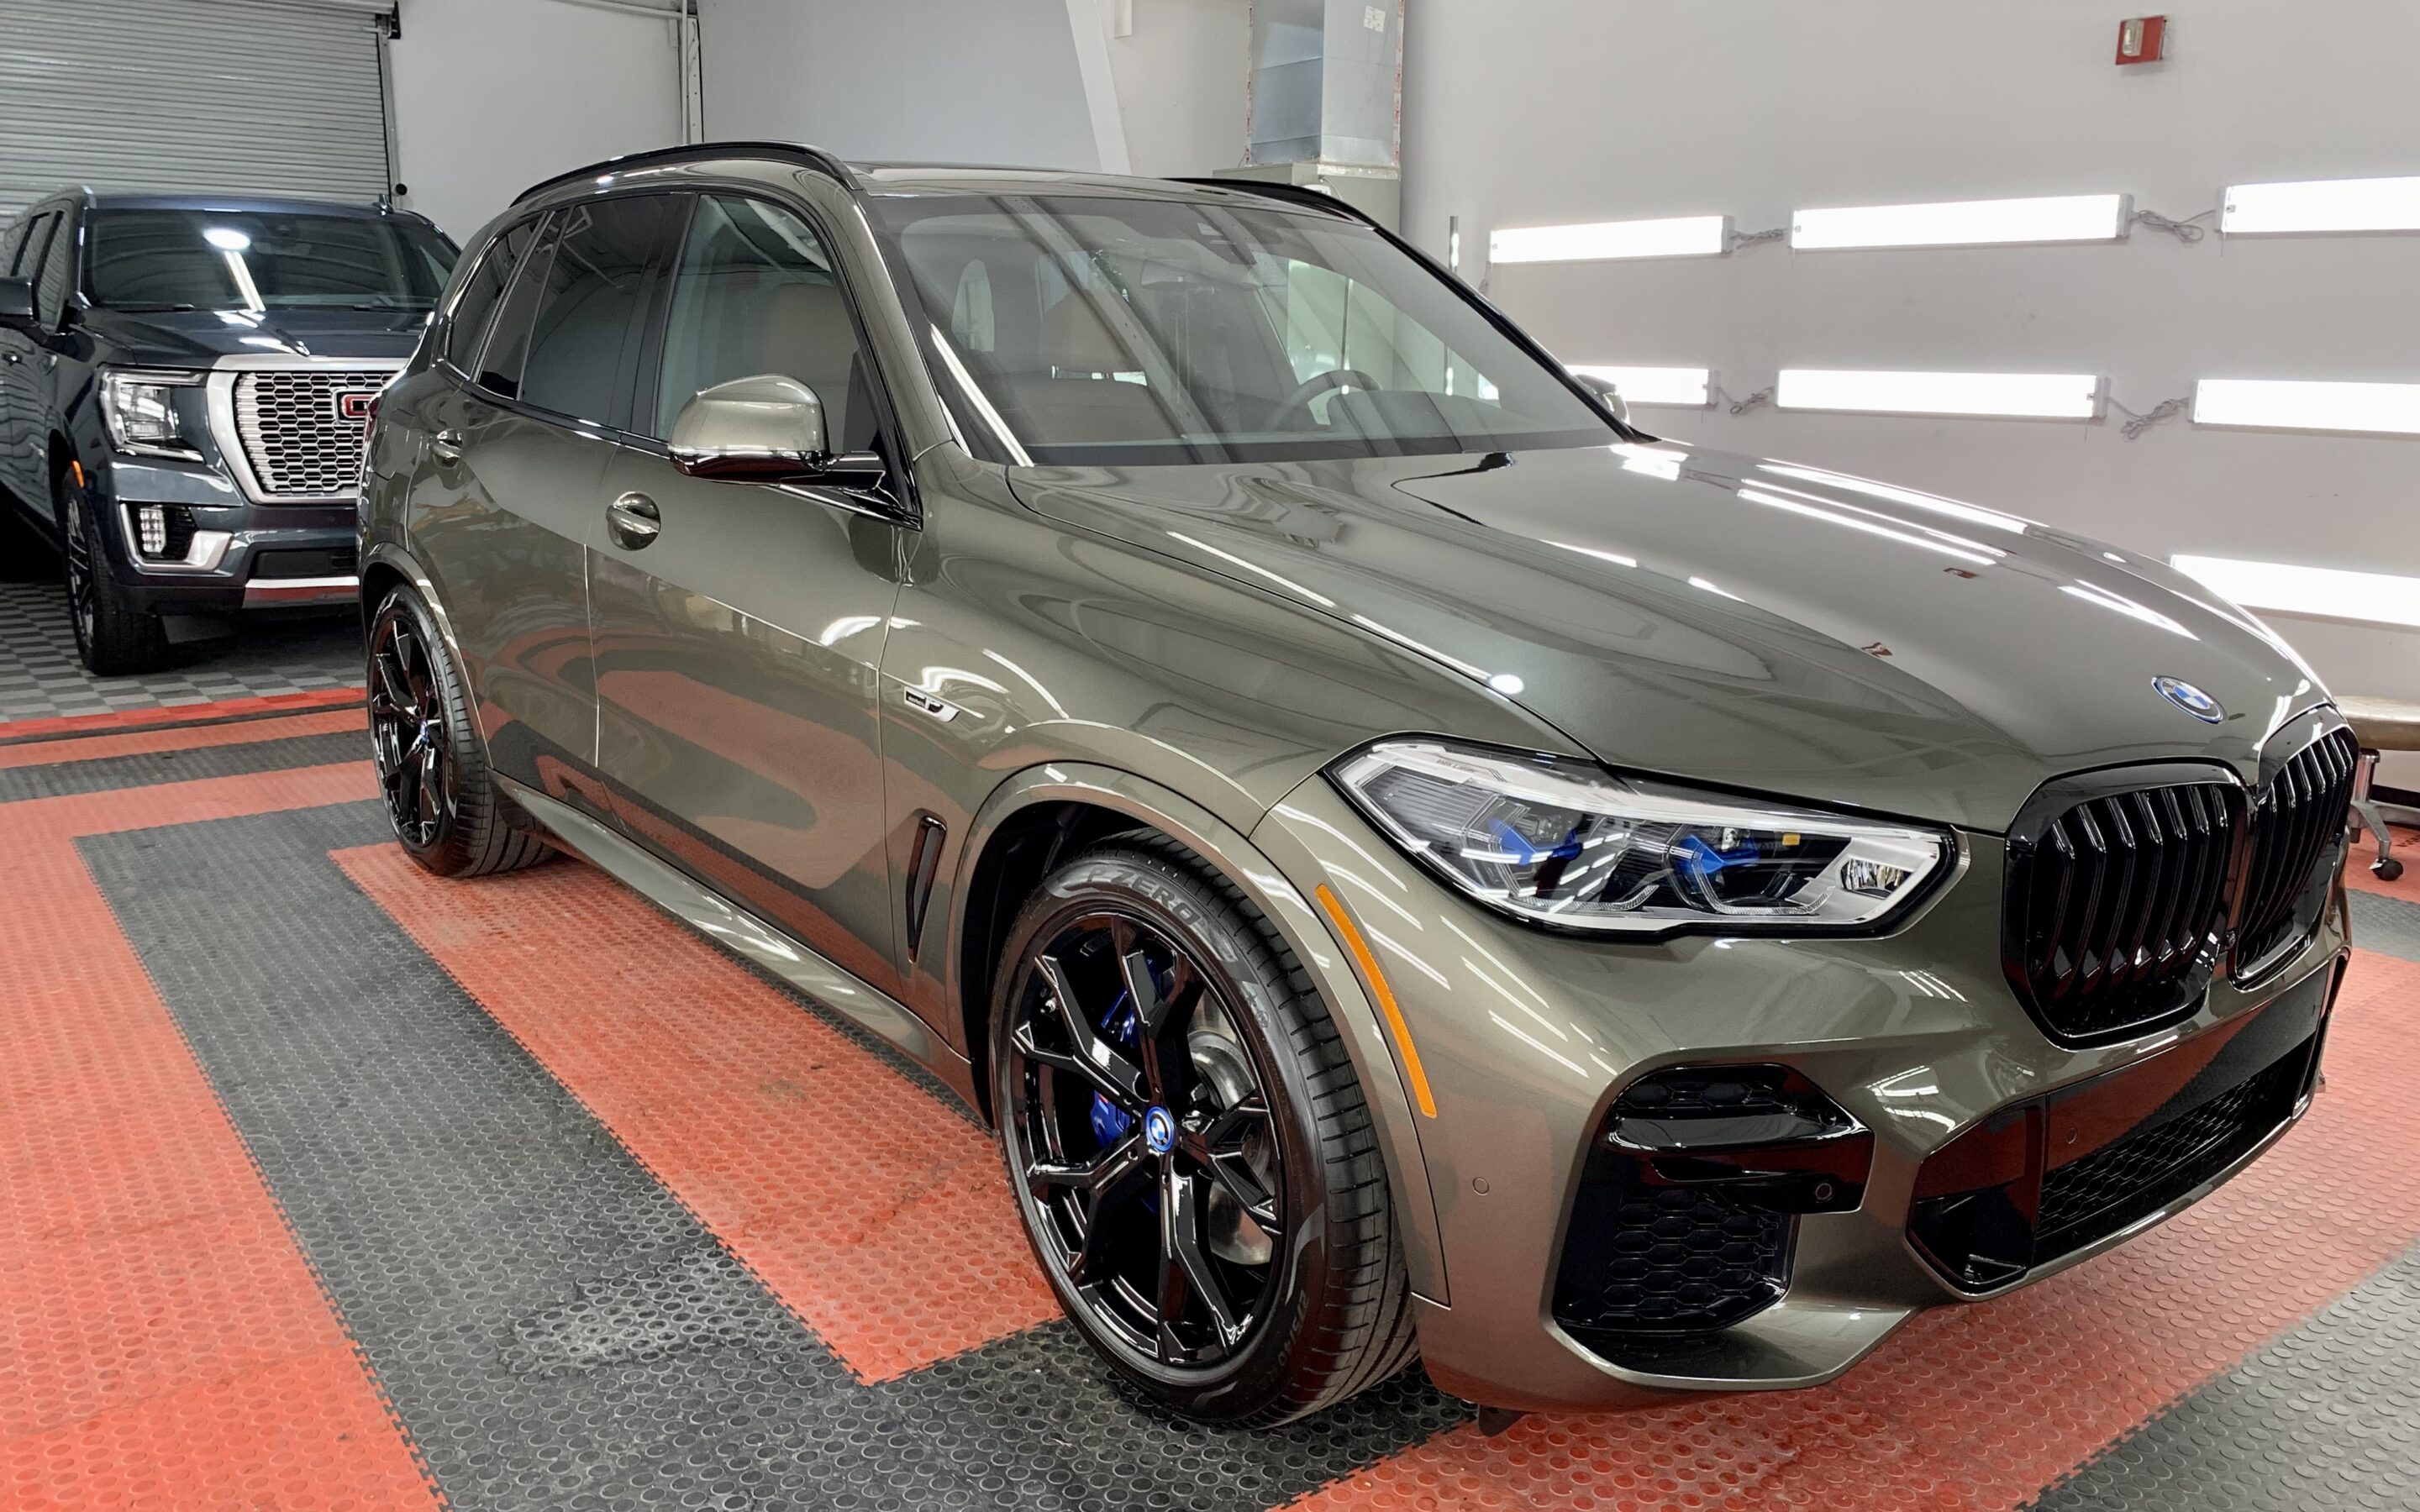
(441, 801)
(112, 639)
(1191, 1151)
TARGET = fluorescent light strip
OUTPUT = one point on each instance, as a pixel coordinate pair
(1962, 223)
(2023, 395)
(2378, 597)
(1687, 235)
(1691, 387)
(2322, 205)
(2281, 404)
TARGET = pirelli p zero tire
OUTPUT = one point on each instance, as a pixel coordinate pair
(113, 640)
(1190, 1145)
(444, 806)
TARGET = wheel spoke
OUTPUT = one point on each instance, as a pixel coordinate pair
(1092, 1176)
(1186, 1272)
(432, 806)
(1115, 1179)
(1236, 1177)
(391, 686)
(1092, 1056)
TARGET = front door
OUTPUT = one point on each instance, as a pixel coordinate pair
(736, 645)
(24, 371)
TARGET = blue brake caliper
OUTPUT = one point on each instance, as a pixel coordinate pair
(1109, 1122)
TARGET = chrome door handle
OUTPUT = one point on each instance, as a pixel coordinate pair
(447, 446)
(633, 521)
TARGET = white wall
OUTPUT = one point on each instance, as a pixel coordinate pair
(1180, 85)
(962, 81)
(492, 96)
(1527, 112)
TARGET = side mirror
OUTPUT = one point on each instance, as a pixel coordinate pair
(1606, 394)
(765, 429)
(17, 304)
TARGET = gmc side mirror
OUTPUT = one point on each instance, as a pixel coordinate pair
(1606, 394)
(17, 304)
(765, 429)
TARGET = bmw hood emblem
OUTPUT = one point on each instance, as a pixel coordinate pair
(2190, 699)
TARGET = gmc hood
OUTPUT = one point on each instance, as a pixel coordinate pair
(1760, 625)
(197, 338)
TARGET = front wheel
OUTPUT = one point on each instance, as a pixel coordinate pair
(112, 639)
(1190, 1147)
(443, 802)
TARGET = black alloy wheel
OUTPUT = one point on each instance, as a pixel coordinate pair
(112, 639)
(1189, 1144)
(407, 736)
(1146, 1141)
(444, 805)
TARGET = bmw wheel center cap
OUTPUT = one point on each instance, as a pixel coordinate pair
(1158, 1131)
(2190, 699)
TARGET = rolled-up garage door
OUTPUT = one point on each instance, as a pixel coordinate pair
(276, 97)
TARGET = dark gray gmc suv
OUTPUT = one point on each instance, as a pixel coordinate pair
(185, 381)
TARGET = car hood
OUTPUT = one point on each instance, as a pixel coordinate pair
(193, 337)
(1760, 625)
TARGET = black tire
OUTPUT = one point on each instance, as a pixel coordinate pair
(442, 800)
(112, 639)
(1331, 1311)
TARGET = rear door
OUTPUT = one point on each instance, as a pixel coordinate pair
(736, 649)
(515, 472)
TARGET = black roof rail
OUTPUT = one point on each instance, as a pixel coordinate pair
(816, 157)
(1290, 194)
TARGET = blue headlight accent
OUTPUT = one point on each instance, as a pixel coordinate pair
(1700, 859)
(1528, 855)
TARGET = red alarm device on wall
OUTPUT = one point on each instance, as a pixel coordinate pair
(2143, 39)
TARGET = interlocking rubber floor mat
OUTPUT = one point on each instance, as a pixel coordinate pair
(331, 1184)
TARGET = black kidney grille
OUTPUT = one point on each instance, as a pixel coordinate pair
(2119, 905)
(2297, 823)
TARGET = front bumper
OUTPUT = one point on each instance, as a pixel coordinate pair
(242, 555)
(1526, 1038)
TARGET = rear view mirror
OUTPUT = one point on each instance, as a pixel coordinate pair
(1606, 394)
(17, 304)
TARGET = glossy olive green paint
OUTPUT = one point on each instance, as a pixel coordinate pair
(1192, 646)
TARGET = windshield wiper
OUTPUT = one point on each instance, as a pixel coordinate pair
(139, 308)
(398, 304)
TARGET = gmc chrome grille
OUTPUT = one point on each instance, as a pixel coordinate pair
(2297, 826)
(303, 429)
(2118, 901)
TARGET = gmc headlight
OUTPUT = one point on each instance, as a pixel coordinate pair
(144, 413)
(1563, 842)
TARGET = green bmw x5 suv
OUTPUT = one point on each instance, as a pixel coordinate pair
(1410, 865)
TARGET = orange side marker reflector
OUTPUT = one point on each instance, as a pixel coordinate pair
(76, 469)
(1385, 995)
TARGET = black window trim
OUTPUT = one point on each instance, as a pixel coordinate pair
(441, 327)
(907, 508)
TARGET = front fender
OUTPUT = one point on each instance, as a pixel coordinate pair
(1296, 919)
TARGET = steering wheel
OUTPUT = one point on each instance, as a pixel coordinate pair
(1312, 388)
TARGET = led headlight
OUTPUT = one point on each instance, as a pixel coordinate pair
(144, 413)
(1564, 843)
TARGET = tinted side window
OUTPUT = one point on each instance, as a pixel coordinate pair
(754, 293)
(483, 290)
(595, 294)
(508, 344)
(58, 266)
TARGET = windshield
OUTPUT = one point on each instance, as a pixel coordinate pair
(238, 260)
(1105, 330)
